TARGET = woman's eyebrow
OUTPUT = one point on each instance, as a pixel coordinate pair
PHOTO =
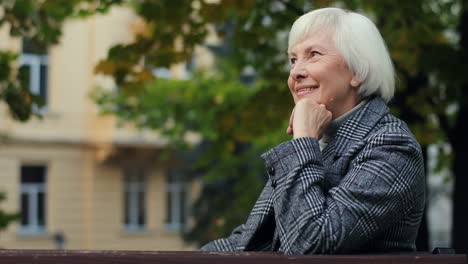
(312, 47)
(307, 50)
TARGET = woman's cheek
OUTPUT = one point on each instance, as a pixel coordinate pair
(321, 98)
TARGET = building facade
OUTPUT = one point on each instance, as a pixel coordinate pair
(78, 179)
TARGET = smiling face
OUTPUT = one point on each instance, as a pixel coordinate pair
(319, 71)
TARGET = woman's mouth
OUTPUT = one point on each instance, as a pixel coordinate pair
(306, 90)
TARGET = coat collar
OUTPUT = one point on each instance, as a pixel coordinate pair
(357, 127)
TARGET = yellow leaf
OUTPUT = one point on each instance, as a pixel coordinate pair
(105, 67)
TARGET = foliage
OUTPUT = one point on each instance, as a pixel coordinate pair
(6, 218)
(18, 98)
(236, 121)
(227, 157)
(41, 22)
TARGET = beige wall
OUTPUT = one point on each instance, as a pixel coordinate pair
(64, 190)
(97, 225)
(107, 217)
(84, 193)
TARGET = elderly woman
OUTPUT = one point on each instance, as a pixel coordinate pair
(352, 178)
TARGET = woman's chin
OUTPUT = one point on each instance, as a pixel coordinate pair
(312, 95)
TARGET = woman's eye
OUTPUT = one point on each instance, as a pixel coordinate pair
(292, 60)
(315, 53)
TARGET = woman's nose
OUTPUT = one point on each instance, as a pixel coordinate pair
(298, 72)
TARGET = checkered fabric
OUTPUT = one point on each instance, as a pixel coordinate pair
(365, 192)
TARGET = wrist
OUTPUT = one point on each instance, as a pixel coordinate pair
(306, 134)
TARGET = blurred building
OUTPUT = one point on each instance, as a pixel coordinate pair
(79, 180)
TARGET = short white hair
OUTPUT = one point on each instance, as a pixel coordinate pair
(359, 42)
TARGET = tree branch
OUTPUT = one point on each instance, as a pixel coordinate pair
(292, 7)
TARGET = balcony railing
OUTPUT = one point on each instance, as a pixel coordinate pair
(185, 257)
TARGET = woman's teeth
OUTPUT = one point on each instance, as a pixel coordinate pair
(307, 89)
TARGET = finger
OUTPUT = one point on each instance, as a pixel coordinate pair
(289, 130)
(291, 119)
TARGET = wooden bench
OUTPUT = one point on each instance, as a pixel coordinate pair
(168, 257)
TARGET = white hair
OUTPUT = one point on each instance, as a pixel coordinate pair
(360, 44)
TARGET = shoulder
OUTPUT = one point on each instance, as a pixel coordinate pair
(391, 147)
(373, 123)
(391, 129)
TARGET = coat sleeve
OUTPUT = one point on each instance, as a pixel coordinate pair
(225, 244)
(260, 220)
(379, 187)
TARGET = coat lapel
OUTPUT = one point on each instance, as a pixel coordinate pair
(355, 129)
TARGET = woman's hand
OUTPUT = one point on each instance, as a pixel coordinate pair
(308, 119)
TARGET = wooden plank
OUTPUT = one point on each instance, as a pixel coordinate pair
(179, 257)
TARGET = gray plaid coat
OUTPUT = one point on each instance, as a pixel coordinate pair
(365, 192)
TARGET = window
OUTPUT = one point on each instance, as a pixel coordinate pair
(33, 70)
(184, 73)
(162, 73)
(33, 199)
(135, 200)
(189, 68)
(176, 202)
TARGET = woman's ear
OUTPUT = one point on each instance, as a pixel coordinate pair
(355, 82)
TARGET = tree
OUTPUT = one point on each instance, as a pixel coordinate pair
(457, 136)
(225, 111)
(40, 21)
(5, 217)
